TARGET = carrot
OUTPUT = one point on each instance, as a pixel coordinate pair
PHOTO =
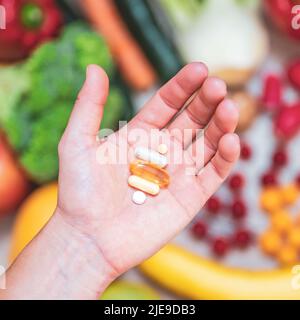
(131, 60)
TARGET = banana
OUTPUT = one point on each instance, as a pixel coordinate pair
(194, 277)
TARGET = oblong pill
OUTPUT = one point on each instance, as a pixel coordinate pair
(151, 156)
(150, 172)
(143, 185)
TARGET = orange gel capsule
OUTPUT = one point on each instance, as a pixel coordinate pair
(150, 172)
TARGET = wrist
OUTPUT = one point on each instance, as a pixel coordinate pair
(82, 262)
(60, 263)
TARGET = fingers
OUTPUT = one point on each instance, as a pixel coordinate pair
(223, 121)
(217, 170)
(199, 112)
(158, 112)
(84, 122)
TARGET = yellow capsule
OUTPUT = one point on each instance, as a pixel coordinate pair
(143, 185)
(150, 172)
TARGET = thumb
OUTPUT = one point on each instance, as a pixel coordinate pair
(85, 120)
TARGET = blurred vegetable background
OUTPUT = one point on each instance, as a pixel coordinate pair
(31, 128)
(246, 242)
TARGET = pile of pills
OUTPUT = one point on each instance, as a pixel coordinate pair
(148, 175)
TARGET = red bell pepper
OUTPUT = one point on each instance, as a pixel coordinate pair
(28, 23)
(283, 14)
(272, 92)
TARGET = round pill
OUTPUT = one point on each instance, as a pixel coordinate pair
(162, 148)
(139, 197)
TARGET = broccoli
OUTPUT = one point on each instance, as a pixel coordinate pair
(39, 106)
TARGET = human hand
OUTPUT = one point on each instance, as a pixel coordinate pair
(95, 199)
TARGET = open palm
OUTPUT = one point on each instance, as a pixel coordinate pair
(94, 196)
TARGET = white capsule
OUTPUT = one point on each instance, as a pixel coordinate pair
(151, 156)
(139, 197)
(143, 185)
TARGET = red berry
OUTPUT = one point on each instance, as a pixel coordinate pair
(269, 179)
(272, 93)
(236, 181)
(246, 152)
(220, 246)
(213, 205)
(242, 239)
(238, 209)
(199, 230)
(280, 158)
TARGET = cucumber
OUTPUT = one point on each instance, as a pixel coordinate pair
(70, 14)
(159, 49)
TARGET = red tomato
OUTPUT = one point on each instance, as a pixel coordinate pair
(13, 183)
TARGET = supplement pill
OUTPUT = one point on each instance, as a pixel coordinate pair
(143, 185)
(150, 172)
(162, 148)
(139, 197)
(151, 156)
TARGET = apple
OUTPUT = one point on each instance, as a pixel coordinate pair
(14, 185)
